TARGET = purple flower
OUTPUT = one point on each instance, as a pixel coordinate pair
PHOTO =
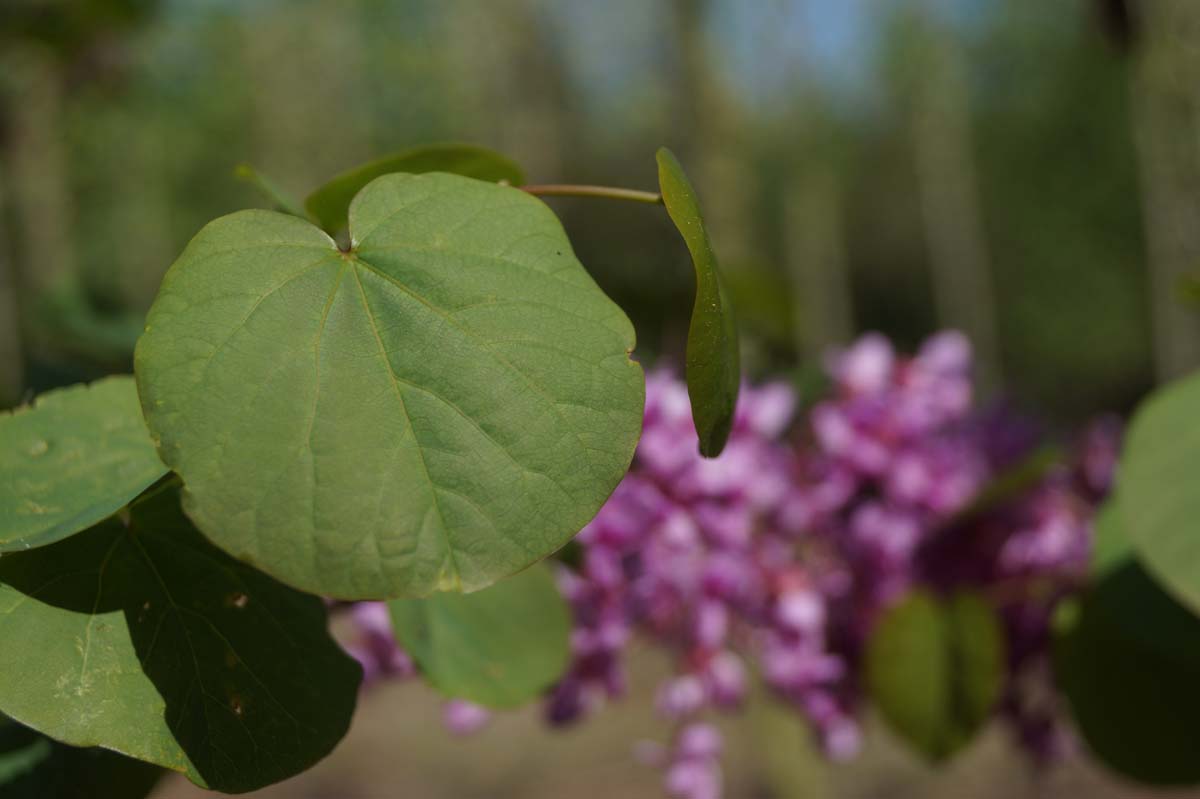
(777, 556)
(464, 718)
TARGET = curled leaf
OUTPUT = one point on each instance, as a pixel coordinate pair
(713, 370)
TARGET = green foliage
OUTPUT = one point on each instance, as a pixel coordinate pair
(1127, 656)
(139, 636)
(330, 204)
(438, 408)
(935, 668)
(1159, 479)
(427, 411)
(34, 767)
(713, 370)
(72, 458)
(500, 647)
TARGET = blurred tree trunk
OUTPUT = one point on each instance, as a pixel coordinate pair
(815, 256)
(36, 165)
(946, 178)
(12, 358)
(535, 117)
(709, 134)
(1166, 104)
(311, 116)
(509, 66)
(140, 212)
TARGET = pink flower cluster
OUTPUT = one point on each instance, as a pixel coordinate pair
(779, 555)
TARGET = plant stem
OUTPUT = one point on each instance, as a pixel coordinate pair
(610, 192)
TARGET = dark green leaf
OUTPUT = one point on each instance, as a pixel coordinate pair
(935, 669)
(1159, 482)
(499, 647)
(34, 767)
(74, 457)
(713, 370)
(438, 409)
(1128, 658)
(330, 204)
(145, 639)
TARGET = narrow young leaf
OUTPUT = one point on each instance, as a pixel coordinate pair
(1127, 657)
(278, 198)
(934, 669)
(74, 457)
(500, 647)
(145, 639)
(439, 408)
(330, 204)
(713, 370)
(1160, 487)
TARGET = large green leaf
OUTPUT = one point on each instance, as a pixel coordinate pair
(1128, 659)
(713, 370)
(437, 409)
(141, 637)
(1159, 482)
(499, 647)
(935, 670)
(74, 457)
(34, 767)
(330, 204)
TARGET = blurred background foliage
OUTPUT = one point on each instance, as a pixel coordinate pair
(1028, 171)
(1023, 170)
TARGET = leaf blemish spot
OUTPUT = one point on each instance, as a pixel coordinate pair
(38, 448)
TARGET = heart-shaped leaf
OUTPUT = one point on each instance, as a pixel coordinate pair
(439, 408)
(1127, 657)
(34, 767)
(1159, 481)
(74, 457)
(145, 639)
(935, 669)
(713, 370)
(330, 204)
(499, 647)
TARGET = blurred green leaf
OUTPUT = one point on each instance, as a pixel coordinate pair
(74, 457)
(34, 767)
(1127, 658)
(935, 669)
(713, 370)
(329, 205)
(500, 647)
(279, 199)
(141, 637)
(1188, 289)
(438, 409)
(1159, 482)
(69, 322)
(1111, 548)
